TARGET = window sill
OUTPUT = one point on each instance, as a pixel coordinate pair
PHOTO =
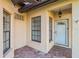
(36, 41)
(6, 53)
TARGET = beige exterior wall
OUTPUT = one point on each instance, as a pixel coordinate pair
(44, 13)
(20, 33)
(73, 36)
(43, 45)
(18, 40)
(50, 44)
(21, 30)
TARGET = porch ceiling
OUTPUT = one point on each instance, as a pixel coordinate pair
(27, 5)
(62, 8)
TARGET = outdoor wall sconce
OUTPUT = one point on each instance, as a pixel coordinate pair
(60, 14)
(77, 21)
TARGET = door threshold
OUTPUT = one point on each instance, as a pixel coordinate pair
(65, 46)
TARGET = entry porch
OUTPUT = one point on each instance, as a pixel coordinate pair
(55, 52)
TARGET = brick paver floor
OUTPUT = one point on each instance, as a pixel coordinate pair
(55, 52)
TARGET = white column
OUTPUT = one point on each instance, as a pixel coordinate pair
(45, 30)
(75, 29)
(1, 32)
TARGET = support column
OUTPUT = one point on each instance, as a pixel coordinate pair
(45, 30)
(1, 32)
(48, 45)
(75, 29)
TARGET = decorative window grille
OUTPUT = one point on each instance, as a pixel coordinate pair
(50, 29)
(6, 31)
(19, 17)
(36, 28)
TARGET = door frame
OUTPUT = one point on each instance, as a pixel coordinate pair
(67, 33)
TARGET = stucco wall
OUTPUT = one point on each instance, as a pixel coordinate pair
(50, 44)
(20, 33)
(44, 12)
(21, 30)
(39, 46)
(17, 39)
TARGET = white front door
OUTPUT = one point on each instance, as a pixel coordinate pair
(61, 32)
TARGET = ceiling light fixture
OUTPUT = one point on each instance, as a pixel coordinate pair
(60, 13)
